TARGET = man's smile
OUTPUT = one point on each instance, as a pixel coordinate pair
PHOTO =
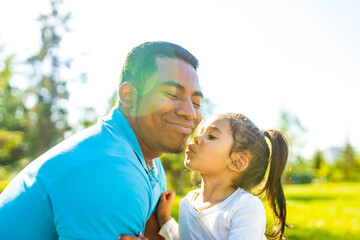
(182, 127)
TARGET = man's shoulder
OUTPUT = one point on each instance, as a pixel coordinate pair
(93, 142)
(91, 148)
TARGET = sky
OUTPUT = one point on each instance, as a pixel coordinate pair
(256, 57)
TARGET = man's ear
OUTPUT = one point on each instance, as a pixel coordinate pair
(127, 95)
(239, 162)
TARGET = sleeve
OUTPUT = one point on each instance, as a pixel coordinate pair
(170, 230)
(248, 221)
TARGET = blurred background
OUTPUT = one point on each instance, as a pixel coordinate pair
(292, 66)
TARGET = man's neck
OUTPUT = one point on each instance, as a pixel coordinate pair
(148, 153)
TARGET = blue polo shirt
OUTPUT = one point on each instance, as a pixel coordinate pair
(94, 185)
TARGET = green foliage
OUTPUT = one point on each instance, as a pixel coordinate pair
(346, 167)
(321, 168)
(10, 141)
(48, 115)
(348, 164)
(88, 118)
(12, 111)
(34, 120)
(304, 176)
(294, 130)
(318, 159)
(12, 108)
(298, 173)
(177, 175)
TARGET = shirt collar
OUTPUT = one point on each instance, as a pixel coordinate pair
(119, 123)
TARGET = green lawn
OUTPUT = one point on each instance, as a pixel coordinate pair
(319, 211)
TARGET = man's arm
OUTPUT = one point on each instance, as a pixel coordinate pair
(152, 228)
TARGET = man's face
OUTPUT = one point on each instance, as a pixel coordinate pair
(169, 112)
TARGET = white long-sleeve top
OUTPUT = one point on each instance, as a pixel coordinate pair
(241, 216)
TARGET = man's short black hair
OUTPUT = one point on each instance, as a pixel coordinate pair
(140, 63)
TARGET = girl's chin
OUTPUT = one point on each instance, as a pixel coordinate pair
(188, 164)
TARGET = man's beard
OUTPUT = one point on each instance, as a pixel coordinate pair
(173, 149)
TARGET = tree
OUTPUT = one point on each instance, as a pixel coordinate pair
(12, 110)
(347, 167)
(320, 166)
(318, 160)
(48, 115)
(294, 130)
(297, 170)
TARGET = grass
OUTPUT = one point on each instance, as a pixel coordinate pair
(319, 211)
(324, 211)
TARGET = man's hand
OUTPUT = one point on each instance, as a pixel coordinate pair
(128, 237)
(164, 208)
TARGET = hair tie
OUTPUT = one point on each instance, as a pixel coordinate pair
(268, 143)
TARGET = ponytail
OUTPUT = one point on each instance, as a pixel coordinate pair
(273, 183)
(268, 151)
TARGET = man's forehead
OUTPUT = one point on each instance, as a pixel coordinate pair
(177, 73)
(167, 60)
(173, 65)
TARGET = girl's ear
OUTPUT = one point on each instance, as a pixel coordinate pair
(127, 94)
(239, 162)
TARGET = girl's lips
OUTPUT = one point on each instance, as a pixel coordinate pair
(190, 149)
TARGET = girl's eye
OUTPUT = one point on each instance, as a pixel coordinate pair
(211, 137)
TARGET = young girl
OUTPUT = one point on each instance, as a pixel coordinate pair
(233, 157)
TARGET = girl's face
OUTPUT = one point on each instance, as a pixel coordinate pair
(208, 153)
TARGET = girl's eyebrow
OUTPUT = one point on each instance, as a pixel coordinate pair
(213, 127)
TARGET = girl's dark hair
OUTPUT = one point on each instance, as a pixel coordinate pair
(267, 161)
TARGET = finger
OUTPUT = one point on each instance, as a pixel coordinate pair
(142, 236)
(162, 197)
(169, 194)
(172, 193)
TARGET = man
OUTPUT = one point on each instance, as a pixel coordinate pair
(106, 180)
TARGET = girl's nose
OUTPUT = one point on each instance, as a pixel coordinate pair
(197, 139)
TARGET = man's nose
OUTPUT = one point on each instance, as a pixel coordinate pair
(187, 109)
